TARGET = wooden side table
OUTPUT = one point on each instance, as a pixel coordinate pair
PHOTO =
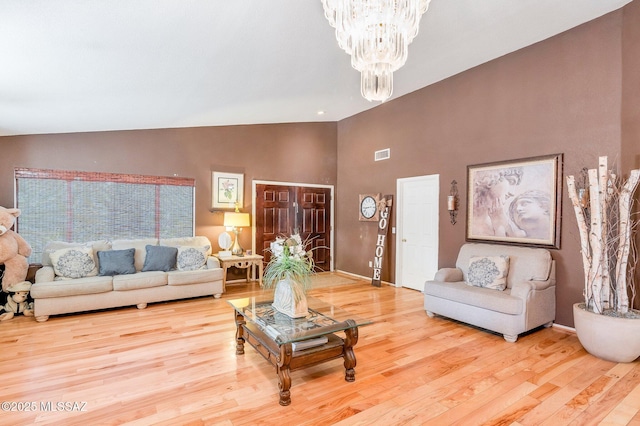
(31, 273)
(244, 262)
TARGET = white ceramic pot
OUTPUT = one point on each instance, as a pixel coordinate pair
(289, 298)
(610, 338)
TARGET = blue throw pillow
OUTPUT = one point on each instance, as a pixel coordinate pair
(117, 262)
(160, 258)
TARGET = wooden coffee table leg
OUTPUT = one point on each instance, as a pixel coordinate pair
(240, 321)
(283, 370)
(351, 338)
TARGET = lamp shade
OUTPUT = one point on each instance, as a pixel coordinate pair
(236, 219)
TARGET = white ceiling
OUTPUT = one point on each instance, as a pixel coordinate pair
(92, 65)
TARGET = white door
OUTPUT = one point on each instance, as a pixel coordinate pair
(417, 233)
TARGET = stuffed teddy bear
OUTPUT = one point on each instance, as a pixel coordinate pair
(14, 250)
(17, 301)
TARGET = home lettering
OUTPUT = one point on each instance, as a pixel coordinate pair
(385, 207)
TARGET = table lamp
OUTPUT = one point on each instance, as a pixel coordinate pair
(236, 220)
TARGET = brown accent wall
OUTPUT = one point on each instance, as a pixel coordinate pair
(631, 86)
(562, 95)
(303, 153)
(631, 100)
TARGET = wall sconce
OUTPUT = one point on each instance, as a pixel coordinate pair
(453, 201)
(234, 221)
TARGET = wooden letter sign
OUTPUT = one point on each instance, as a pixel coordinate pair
(383, 224)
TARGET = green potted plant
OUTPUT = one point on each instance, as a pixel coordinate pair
(606, 323)
(289, 272)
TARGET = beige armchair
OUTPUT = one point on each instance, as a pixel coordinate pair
(527, 302)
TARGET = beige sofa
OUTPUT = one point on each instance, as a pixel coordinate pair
(527, 302)
(123, 274)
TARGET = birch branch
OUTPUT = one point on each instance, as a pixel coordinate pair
(605, 197)
(624, 241)
(584, 236)
(595, 235)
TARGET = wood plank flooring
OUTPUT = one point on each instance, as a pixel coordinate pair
(175, 364)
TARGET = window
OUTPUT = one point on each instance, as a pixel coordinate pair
(85, 206)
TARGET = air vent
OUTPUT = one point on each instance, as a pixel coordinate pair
(383, 154)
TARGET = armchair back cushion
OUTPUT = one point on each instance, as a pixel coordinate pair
(525, 263)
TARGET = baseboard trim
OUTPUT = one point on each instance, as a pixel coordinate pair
(362, 277)
(564, 328)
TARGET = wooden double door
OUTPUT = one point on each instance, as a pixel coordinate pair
(284, 210)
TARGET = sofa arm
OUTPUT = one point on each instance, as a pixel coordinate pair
(45, 274)
(449, 275)
(213, 262)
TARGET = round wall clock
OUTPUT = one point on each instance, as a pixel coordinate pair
(369, 207)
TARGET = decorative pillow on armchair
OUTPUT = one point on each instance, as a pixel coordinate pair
(488, 272)
(74, 262)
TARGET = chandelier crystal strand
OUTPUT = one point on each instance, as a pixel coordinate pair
(377, 34)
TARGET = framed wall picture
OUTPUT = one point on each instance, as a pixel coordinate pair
(515, 202)
(227, 190)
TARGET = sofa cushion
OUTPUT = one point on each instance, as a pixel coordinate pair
(192, 258)
(74, 262)
(139, 280)
(489, 272)
(140, 248)
(197, 241)
(499, 301)
(117, 262)
(194, 277)
(160, 258)
(88, 285)
(525, 264)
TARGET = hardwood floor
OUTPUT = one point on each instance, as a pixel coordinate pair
(175, 364)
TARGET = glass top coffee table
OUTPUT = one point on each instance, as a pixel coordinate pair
(292, 343)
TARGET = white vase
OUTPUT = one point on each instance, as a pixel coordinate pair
(610, 338)
(289, 299)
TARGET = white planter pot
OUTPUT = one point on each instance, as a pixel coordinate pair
(289, 298)
(610, 338)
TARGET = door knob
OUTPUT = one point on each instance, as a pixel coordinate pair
(404, 240)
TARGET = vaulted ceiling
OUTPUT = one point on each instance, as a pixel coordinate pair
(74, 65)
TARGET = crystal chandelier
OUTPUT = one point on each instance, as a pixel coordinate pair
(377, 34)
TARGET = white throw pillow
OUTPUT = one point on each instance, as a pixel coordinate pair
(192, 258)
(488, 272)
(74, 262)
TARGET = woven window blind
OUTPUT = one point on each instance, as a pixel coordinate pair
(83, 206)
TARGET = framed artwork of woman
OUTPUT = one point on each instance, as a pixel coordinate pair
(515, 202)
